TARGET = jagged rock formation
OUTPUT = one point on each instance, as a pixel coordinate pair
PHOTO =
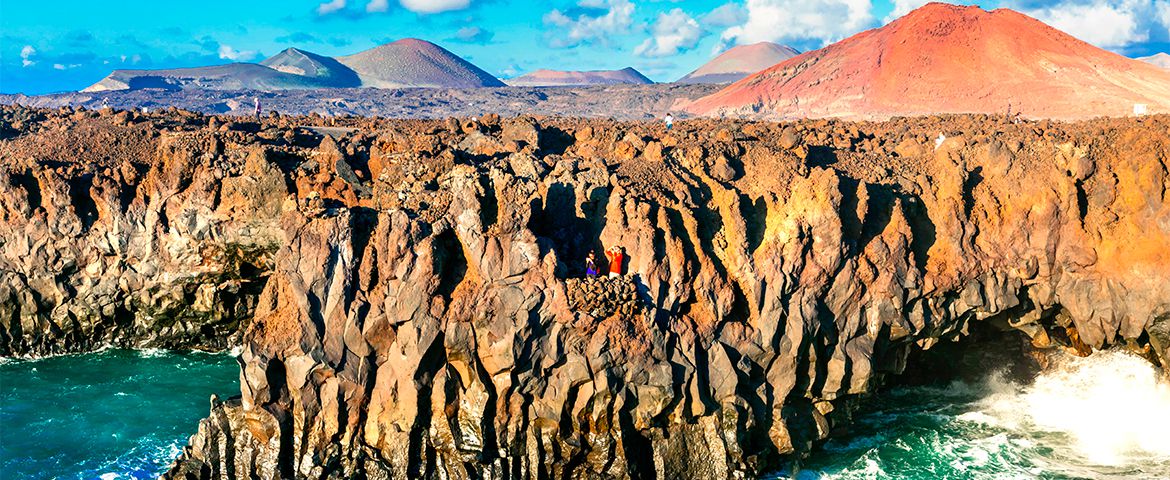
(117, 235)
(782, 269)
(424, 317)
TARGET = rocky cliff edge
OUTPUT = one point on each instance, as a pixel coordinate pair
(424, 314)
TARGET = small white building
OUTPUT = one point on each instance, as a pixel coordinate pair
(1140, 109)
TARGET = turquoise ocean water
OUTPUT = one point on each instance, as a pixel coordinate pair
(126, 414)
(111, 414)
(1102, 417)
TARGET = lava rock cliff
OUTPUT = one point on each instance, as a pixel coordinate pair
(425, 314)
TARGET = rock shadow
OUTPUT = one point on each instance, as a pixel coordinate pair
(820, 156)
(32, 189)
(571, 236)
(448, 263)
(974, 178)
(861, 230)
(554, 141)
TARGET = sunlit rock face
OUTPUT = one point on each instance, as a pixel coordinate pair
(424, 317)
(119, 234)
(455, 341)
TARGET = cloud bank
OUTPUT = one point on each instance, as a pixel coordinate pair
(805, 24)
(673, 31)
(592, 22)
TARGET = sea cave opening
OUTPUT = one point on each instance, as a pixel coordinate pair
(991, 404)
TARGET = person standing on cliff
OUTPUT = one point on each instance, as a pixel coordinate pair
(256, 100)
(615, 256)
(669, 120)
(590, 265)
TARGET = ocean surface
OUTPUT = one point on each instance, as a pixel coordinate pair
(1102, 417)
(126, 414)
(107, 415)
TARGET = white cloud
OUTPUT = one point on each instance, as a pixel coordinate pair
(510, 71)
(472, 34)
(586, 28)
(434, 6)
(1108, 23)
(226, 52)
(902, 7)
(378, 6)
(62, 66)
(672, 31)
(330, 7)
(26, 55)
(725, 15)
(806, 23)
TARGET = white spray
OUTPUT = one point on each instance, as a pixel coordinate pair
(1113, 407)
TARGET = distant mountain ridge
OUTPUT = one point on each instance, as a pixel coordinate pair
(233, 76)
(739, 62)
(1158, 60)
(404, 63)
(549, 78)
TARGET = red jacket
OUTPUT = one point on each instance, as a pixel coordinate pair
(615, 261)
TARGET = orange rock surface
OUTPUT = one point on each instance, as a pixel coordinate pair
(949, 59)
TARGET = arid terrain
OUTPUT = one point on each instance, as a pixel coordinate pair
(626, 102)
(410, 297)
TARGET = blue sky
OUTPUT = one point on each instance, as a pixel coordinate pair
(63, 45)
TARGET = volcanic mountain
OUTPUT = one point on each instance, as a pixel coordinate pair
(1158, 59)
(411, 62)
(739, 62)
(404, 63)
(949, 59)
(547, 78)
(233, 76)
(308, 64)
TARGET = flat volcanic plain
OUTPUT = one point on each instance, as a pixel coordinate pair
(624, 102)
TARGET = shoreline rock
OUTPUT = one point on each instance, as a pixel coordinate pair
(419, 319)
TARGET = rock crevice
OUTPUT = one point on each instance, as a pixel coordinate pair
(776, 274)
